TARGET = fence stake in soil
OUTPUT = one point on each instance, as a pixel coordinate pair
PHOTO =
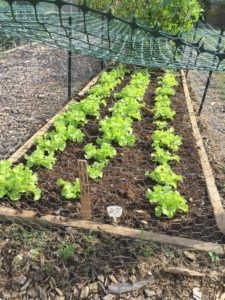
(69, 84)
(84, 190)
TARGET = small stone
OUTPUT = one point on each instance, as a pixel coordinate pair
(149, 293)
(93, 287)
(19, 281)
(133, 279)
(69, 229)
(6, 295)
(113, 279)
(32, 293)
(41, 293)
(96, 297)
(26, 285)
(197, 294)
(58, 212)
(101, 278)
(144, 222)
(109, 297)
(84, 292)
(75, 292)
(190, 255)
(59, 292)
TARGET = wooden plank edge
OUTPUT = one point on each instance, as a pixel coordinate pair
(30, 142)
(212, 190)
(17, 48)
(30, 216)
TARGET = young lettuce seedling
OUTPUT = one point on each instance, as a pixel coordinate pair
(69, 190)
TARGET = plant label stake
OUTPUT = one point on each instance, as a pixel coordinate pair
(84, 190)
(114, 212)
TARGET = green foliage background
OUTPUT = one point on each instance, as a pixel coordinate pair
(172, 15)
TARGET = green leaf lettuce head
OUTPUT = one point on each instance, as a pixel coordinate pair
(166, 139)
(40, 158)
(163, 174)
(117, 129)
(17, 181)
(163, 156)
(100, 154)
(167, 201)
(95, 171)
(69, 190)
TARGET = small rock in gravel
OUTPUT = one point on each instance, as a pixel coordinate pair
(133, 279)
(18, 281)
(26, 285)
(75, 292)
(109, 297)
(190, 255)
(101, 278)
(59, 292)
(59, 297)
(41, 293)
(149, 293)
(93, 287)
(6, 295)
(197, 294)
(32, 293)
(95, 297)
(84, 292)
(113, 279)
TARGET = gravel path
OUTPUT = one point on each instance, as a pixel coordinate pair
(33, 88)
(212, 121)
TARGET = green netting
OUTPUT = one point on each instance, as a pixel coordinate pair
(101, 34)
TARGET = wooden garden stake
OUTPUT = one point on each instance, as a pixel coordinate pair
(84, 190)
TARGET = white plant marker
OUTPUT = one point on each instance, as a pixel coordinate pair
(114, 212)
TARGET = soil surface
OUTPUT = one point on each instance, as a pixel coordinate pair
(125, 184)
(212, 121)
(33, 88)
(71, 264)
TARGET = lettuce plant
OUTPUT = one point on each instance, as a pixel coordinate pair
(163, 156)
(40, 158)
(163, 112)
(160, 124)
(166, 139)
(128, 107)
(163, 174)
(100, 154)
(17, 181)
(168, 80)
(51, 142)
(117, 129)
(167, 201)
(95, 171)
(69, 190)
(168, 91)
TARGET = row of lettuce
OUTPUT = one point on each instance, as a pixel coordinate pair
(116, 130)
(166, 143)
(19, 180)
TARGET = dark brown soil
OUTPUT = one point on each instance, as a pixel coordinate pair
(125, 184)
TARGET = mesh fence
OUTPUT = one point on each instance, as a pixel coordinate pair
(105, 36)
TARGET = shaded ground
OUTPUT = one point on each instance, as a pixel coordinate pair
(33, 87)
(34, 266)
(212, 121)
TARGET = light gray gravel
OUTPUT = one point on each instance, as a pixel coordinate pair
(33, 88)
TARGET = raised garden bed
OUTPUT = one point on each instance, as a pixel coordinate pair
(124, 182)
